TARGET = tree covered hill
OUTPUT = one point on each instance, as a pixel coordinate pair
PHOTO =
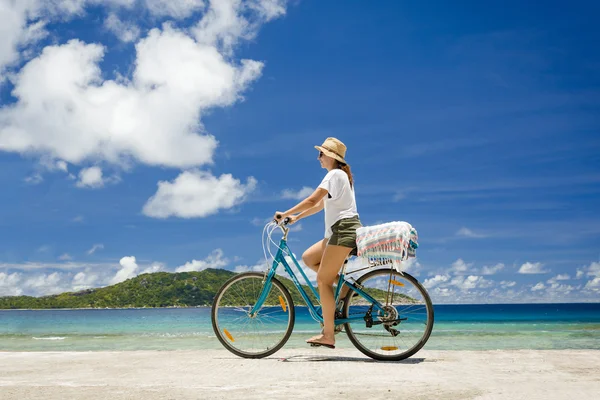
(159, 289)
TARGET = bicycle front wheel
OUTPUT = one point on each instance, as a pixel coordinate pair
(402, 328)
(252, 336)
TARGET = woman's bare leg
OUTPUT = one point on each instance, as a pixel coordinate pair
(313, 255)
(331, 263)
(312, 259)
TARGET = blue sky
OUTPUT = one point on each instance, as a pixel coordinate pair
(154, 135)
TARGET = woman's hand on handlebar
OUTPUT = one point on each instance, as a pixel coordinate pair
(281, 217)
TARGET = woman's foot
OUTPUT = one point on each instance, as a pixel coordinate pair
(322, 340)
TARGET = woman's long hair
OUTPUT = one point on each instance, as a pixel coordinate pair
(346, 169)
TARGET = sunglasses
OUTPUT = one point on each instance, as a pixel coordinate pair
(320, 154)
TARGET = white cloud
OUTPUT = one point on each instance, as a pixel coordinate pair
(297, 195)
(66, 110)
(507, 284)
(45, 283)
(470, 282)
(85, 280)
(460, 267)
(197, 194)
(214, 260)
(174, 8)
(121, 3)
(468, 233)
(13, 30)
(52, 164)
(532, 268)
(443, 293)
(593, 285)
(593, 269)
(126, 32)
(65, 257)
(42, 284)
(268, 9)
(24, 23)
(155, 267)
(538, 286)
(46, 164)
(435, 281)
(171, 70)
(412, 266)
(34, 179)
(128, 270)
(33, 33)
(487, 270)
(94, 248)
(64, 7)
(9, 284)
(90, 177)
(560, 277)
(557, 290)
(223, 25)
(62, 166)
(259, 267)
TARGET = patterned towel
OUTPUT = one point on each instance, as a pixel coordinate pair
(392, 242)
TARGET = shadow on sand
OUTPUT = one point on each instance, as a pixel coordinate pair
(304, 358)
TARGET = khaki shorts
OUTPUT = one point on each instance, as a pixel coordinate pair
(344, 233)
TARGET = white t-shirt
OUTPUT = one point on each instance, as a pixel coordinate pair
(342, 203)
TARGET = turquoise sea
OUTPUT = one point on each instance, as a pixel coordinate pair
(457, 327)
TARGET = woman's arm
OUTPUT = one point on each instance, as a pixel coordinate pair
(309, 203)
(313, 210)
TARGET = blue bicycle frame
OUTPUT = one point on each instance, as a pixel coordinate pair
(280, 259)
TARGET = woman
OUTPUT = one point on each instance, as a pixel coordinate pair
(335, 194)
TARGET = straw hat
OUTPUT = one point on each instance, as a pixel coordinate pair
(333, 148)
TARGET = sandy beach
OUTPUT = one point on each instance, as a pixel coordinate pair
(300, 373)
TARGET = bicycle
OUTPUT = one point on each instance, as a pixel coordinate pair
(253, 313)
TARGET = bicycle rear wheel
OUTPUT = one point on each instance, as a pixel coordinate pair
(252, 336)
(404, 327)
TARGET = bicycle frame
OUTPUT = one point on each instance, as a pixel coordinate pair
(280, 259)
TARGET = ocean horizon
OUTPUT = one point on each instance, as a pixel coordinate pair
(540, 326)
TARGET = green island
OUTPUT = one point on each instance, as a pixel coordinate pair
(158, 289)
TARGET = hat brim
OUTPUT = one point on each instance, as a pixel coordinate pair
(331, 154)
